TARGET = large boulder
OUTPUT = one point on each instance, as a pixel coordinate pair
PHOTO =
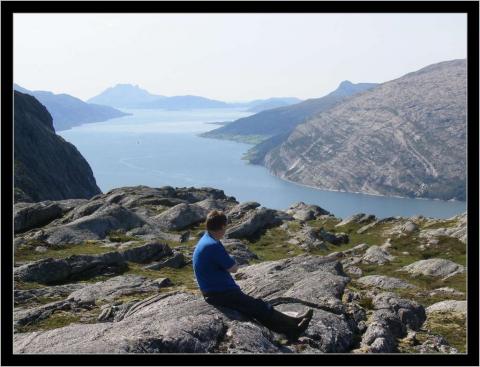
(51, 271)
(181, 216)
(305, 212)
(448, 306)
(239, 210)
(34, 215)
(333, 238)
(194, 194)
(315, 280)
(253, 222)
(96, 226)
(149, 252)
(376, 255)
(434, 267)
(360, 218)
(308, 239)
(210, 204)
(122, 285)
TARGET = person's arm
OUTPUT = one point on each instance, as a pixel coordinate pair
(223, 259)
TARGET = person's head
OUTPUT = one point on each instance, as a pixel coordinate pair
(216, 223)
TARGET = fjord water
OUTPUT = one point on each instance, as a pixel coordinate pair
(159, 148)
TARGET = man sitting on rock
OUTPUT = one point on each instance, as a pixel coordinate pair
(213, 265)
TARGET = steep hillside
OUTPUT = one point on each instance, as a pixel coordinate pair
(281, 120)
(405, 137)
(46, 167)
(68, 111)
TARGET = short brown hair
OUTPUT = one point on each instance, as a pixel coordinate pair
(216, 219)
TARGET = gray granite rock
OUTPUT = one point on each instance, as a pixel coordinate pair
(448, 306)
(305, 212)
(384, 282)
(239, 251)
(181, 216)
(434, 267)
(376, 255)
(122, 285)
(253, 222)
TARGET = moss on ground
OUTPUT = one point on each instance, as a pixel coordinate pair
(27, 252)
(120, 236)
(273, 245)
(181, 278)
(452, 326)
(57, 320)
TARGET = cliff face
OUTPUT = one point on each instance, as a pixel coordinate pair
(46, 167)
(405, 137)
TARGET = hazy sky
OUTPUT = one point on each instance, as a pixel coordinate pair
(228, 56)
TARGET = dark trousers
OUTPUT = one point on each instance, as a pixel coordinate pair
(236, 299)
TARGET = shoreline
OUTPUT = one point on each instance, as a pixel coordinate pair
(360, 193)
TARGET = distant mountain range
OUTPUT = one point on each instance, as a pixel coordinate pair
(276, 123)
(268, 104)
(46, 167)
(68, 111)
(405, 137)
(132, 96)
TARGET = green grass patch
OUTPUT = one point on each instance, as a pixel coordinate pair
(440, 224)
(57, 320)
(451, 326)
(273, 245)
(182, 278)
(27, 252)
(119, 236)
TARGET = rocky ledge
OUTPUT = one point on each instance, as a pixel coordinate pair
(113, 275)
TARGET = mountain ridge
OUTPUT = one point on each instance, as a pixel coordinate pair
(423, 159)
(68, 111)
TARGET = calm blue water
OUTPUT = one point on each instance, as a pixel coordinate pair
(158, 148)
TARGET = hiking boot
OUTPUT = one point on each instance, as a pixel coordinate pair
(292, 327)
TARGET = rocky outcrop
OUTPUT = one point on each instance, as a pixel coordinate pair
(449, 306)
(390, 320)
(459, 230)
(181, 216)
(253, 222)
(22, 296)
(239, 210)
(384, 282)
(304, 212)
(50, 271)
(46, 167)
(377, 255)
(122, 285)
(407, 137)
(434, 267)
(34, 215)
(360, 218)
(184, 323)
(106, 218)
